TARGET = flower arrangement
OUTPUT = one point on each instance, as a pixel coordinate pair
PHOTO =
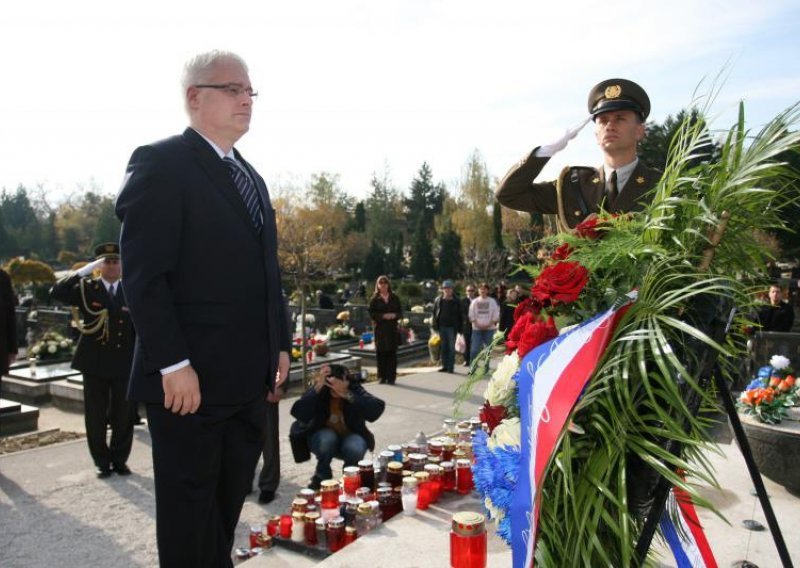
(679, 253)
(343, 331)
(343, 316)
(418, 309)
(52, 345)
(774, 390)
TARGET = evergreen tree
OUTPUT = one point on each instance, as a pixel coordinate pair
(375, 263)
(426, 199)
(654, 148)
(358, 222)
(451, 264)
(497, 226)
(421, 265)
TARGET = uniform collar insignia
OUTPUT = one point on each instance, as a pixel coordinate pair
(640, 180)
(595, 180)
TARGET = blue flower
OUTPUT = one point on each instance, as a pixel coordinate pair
(764, 372)
(757, 383)
(495, 474)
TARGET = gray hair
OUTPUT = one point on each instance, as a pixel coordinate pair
(199, 67)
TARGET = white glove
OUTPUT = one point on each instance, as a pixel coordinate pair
(549, 150)
(89, 268)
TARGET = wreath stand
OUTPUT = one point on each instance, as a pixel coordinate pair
(717, 330)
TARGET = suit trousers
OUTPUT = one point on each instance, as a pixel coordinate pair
(105, 402)
(387, 366)
(270, 475)
(203, 465)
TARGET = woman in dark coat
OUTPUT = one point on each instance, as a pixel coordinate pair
(8, 323)
(385, 311)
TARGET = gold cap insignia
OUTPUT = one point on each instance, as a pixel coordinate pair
(640, 180)
(577, 213)
(596, 180)
(613, 91)
(109, 248)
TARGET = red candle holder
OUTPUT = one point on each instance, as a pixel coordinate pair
(286, 526)
(468, 540)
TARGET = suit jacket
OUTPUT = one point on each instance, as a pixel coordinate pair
(8, 321)
(99, 353)
(583, 190)
(202, 284)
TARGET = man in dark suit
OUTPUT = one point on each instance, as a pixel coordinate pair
(103, 355)
(619, 108)
(199, 247)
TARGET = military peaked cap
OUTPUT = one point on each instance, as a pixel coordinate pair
(618, 94)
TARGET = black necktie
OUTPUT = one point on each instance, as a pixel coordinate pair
(247, 191)
(613, 192)
(112, 291)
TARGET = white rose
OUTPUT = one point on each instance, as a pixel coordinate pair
(64, 344)
(36, 348)
(52, 348)
(501, 386)
(779, 362)
(508, 433)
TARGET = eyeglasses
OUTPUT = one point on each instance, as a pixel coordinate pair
(383, 281)
(233, 89)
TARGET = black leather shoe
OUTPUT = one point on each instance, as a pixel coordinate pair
(315, 483)
(102, 471)
(121, 469)
(266, 497)
(442, 370)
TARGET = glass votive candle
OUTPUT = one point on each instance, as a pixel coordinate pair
(423, 490)
(366, 470)
(256, 536)
(273, 525)
(351, 480)
(409, 495)
(299, 505)
(435, 473)
(448, 476)
(464, 435)
(350, 508)
(308, 494)
(310, 528)
(417, 461)
(450, 427)
(329, 490)
(463, 476)
(350, 535)
(364, 493)
(397, 450)
(394, 474)
(385, 502)
(322, 538)
(334, 532)
(435, 447)
(298, 527)
(448, 447)
(286, 526)
(468, 540)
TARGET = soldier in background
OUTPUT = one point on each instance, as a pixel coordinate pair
(103, 354)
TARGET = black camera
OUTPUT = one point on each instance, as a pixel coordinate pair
(345, 374)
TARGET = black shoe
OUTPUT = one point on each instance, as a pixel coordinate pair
(441, 370)
(266, 497)
(315, 483)
(121, 469)
(102, 471)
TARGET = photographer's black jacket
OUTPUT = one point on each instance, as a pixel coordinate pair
(314, 408)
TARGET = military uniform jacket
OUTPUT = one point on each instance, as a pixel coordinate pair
(100, 353)
(583, 190)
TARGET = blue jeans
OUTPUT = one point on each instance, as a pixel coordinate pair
(447, 347)
(326, 445)
(480, 339)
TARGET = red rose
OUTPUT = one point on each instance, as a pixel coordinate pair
(536, 334)
(492, 415)
(514, 335)
(528, 305)
(560, 283)
(587, 229)
(562, 252)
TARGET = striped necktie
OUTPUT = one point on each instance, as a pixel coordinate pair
(247, 191)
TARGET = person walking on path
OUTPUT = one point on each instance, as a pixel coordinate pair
(484, 313)
(447, 321)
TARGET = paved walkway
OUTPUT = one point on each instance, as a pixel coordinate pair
(54, 512)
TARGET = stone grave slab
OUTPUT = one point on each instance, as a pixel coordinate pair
(18, 418)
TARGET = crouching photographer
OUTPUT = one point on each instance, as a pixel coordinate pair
(331, 421)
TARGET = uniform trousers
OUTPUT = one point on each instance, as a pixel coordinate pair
(105, 402)
(203, 465)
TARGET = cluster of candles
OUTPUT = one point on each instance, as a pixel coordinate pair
(404, 479)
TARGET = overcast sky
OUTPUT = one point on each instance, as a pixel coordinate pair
(354, 87)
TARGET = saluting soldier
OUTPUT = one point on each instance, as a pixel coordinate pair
(103, 354)
(619, 108)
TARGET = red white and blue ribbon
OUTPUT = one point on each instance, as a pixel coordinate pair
(687, 541)
(551, 379)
